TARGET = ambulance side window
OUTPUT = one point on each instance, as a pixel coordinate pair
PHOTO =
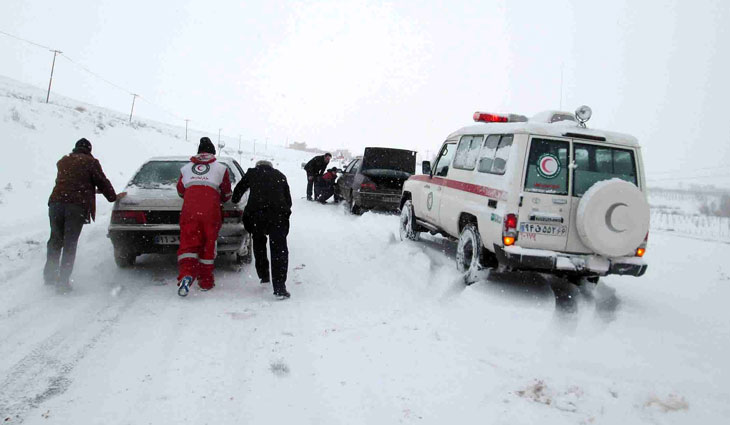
(467, 152)
(495, 153)
(444, 160)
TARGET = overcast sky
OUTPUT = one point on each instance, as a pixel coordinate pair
(402, 74)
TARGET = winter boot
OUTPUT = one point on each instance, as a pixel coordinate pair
(184, 286)
(282, 294)
(63, 287)
(206, 287)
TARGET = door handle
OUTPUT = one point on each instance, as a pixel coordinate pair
(559, 201)
(427, 186)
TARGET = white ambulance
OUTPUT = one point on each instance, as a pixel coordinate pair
(544, 194)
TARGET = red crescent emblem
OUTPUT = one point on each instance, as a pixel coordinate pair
(549, 166)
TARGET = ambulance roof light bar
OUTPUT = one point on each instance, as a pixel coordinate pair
(496, 118)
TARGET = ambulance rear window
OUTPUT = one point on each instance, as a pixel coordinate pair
(547, 167)
(596, 163)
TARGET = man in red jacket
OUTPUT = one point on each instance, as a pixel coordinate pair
(204, 185)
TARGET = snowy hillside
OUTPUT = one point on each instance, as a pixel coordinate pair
(376, 331)
(36, 135)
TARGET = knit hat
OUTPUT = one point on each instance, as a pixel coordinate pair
(83, 146)
(206, 146)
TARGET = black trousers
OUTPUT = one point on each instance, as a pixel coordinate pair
(273, 230)
(326, 192)
(310, 186)
(66, 223)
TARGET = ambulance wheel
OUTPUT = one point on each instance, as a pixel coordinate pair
(469, 253)
(408, 224)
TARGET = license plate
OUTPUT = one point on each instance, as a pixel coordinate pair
(543, 229)
(167, 240)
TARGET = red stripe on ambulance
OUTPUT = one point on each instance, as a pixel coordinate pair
(465, 187)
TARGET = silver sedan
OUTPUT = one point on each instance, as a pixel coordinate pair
(147, 219)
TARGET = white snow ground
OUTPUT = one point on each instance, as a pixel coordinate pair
(377, 331)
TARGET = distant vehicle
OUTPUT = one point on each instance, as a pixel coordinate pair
(375, 180)
(147, 220)
(544, 194)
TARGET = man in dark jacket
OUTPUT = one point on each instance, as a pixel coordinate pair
(71, 205)
(315, 168)
(267, 214)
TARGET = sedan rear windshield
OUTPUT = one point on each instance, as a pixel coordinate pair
(164, 173)
(158, 173)
(594, 163)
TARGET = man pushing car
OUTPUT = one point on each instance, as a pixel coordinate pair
(204, 185)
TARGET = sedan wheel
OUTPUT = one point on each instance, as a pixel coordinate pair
(124, 258)
(246, 258)
(354, 208)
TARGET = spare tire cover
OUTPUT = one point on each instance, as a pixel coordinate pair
(613, 218)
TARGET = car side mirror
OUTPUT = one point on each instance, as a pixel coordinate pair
(426, 167)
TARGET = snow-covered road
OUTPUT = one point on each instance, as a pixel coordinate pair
(377, 331)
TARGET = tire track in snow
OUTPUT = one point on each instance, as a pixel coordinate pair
(44, 373)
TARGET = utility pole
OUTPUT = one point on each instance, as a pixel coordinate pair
(239, 149)
(561, 86)
(134, 98)
(186, 129)
(254, 146)
(221, 144)
(53, 66)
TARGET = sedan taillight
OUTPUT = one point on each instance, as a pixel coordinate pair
(231, 216)
(368, 186)
(129, 217)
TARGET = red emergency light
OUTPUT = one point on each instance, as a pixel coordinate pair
(487, 117)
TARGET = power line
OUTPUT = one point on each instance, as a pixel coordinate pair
(23, 39)
(168, 112)
(96, 75)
